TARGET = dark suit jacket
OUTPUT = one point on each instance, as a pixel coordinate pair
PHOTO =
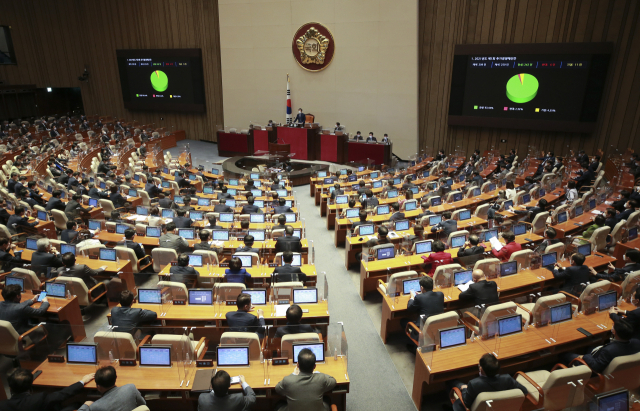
(287, 273)
(55, 204)
(222, 208)
(573, 276)
(8, 261)
(11, 185)
(371, 138)
(230, 402)
(600, 359)
(68, 235)
(399, 216)
(71, 183)
(482, 292)
(166, 203)
(41, 260)
(487, 384)
(305, 391)
(97, 194)
(40, 401)
(243, 321)
(293, 329)
(633, 318)
(288, 244)
(251, 209)
(185, 275)
(300, 118)
(63, 179)
(73, 209)
(14, 223)
(136, 247)
(117, 200)
(19, 186)
(80, 271)
(427, 304)
(18, 314)
(152, 190)
(447, 227)
(462, 252)
(282, 209)
(128, 319)
(183, 222)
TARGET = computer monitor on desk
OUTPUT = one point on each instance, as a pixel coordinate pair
(168, 213)
(258, 295)
(225, 217)
(256, 218)
(305, 295)
(578, 210)
(155, 356)
(488, 234)
(316, 348)
(519, 229)
(508, 268)
(402, 225)
(149, 296)
(142, 210)
(296, 262)
(195, 260)
(385, 253)
(412, 284)
(82, 353)
(435, 219)
(562, 217)
(613, 400)
(509, 324)
(458, 241)
(423, 246)
(220, 235)
(560, 312)
(32, 244)
(462, 277)
(245, 259)
(633, 233)
(464, 215)
(67, 248)
(200, 296)
(381, 210)
(366, 229)
(585, 249)
(549, 259)
(58, 290)
(14, 280)
(233, 356)
(607, 300)
(452, 337)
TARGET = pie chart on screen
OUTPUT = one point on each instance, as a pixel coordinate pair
(159, 81)
(522, 88)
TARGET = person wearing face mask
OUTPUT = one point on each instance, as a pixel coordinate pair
(631, 317)
(632, 263)
(488, 381)
(300, 118)
(371, 138)
(630, 207)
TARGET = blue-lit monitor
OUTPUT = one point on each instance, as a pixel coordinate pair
(342, 199)
(366, 229)
(352, 212)
(375, 174)
(462, 277)
(258, 296)
(187, 233)
(464, 215)
(612, 401)
(94, 225)
(178, 199)
(377, 184)
(578, 210)
(207, 190)
(412, 284)
(291, 217)
(508, 268)
(256, 218)
(155, 355)
(215, 171)
(632, 233)
(220, 235)
(12, 280)
(510, 324)
(423, 247)
(196, 215)
(410, 205)
(195, 260)
(245, 259)
(230, 202)
(204, 202)
(166, 184)
(107, 254)
(385, 252)
(452, 337)
(607, 300)
(435, 219)
(198, 296)
(232, 191)
(93, 202)
(562, 217)
(458, 241)
(32, 244)
(133, 192)
(67, 248)
(560, 312)
(153, 232)
(121, 228)
(585, 249)
(436, 201)
(382, 209)
(142, 210)
(58, 290)
(549, 259)
(82, 353)
(232, 356)
(149, 296)
(392, 193)
(282, 193)
(305, 295)
(519, 229)
(507, 204)
(258, 235)
(233, 181)
(167, 213)
(316, 348)
(42, 215)
(402, 225)
(225, 217)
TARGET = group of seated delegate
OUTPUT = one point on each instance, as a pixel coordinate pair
(482, 291)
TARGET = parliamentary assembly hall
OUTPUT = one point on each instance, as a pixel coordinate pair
(319, 205)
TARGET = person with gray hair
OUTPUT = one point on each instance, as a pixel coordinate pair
(45, 258)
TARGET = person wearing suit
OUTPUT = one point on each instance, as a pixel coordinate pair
(171, 240)
(242, 321)
(116, 198)
(471, 247)
(19, 184)
(183, 273)
(222, 207)
(250, 208)
(586, 178)
(7, 260)
(11, 184)
(4, 214)
(288, 242)
(235, 273)
(128, 319)
(477, 179)
(632, 259)
(224, 193)
(165, 202)
(287, 273)
(45, 257)
(220, 399)
(23, 399)
(305, 391)
(481, 291)
(610, 218)
(18, 219)
(126, 397)
(600, 357)
(55, 203)
(337, 191)
(151, 189)
(488, 381)
(630, 207)
(18, 313)
(573, 276)
(631, 317)
(128, 242)
(95, 193)
(73, 207)
(282, 207)
(300, 118)
(181, 221)
(213, 223)
(64, 178)
(550, 239)
(371, 138)
(73, 181)
(386, 139)
(509, 248)
(437, 258)
(425, 304)
(397, 214)
(358, 136)
(248, 245)
(294, 316)
(70, 269)
(447, 225)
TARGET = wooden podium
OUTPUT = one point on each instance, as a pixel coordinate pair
(279, 149)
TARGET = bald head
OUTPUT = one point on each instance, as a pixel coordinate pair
(478, 275)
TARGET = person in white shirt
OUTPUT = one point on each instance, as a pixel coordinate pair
(572, 193)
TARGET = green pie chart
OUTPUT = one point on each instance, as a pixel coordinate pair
(159, 81)
(522, 88)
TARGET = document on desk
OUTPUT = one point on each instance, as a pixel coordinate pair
(495, 243)
(393, 235)
(464, 287)
(281, 310)
(596, 212)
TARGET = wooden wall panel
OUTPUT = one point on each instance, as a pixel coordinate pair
(442, 25)
(53, 41)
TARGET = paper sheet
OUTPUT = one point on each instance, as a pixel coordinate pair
(281, 310)
(495, 243)
(465, 286)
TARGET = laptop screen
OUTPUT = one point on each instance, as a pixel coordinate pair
(526, 198)
(613, 401)
(200, 297)
(549, 259)
(141, 210)
(508, 268)
(204, 202)
(153, 232)
(232, 191)
(342, 199)
(507, 204)
(423, 247)
(560, 313)
(410, 205)
(457, 196)
(633, 233)
(291, 217)
(352, 212)
(258, 296)
(256, 218)
(155, 356)
(412, 284)
(220, 235)
(383, 209)
(187, 233)
(458, 241)
(233, 356)
(282, 193)
(402, 225)
(316, 348)
(207, 190)
(82, 353)
(607, 300)
(166, 184)
(375, 174)
(67, 248)
(488, 235)
(462, 277)
(133, 192)
(233, 181)
(385, 253)
(305, 295)
(578, 210)
(93, 202)
(258, 235)
(585, 249)
(519, 229)
(464, 215)
(366, 229)
(149, 296)
(377, 184)
(42, 215)
(225, 217)
(32, 244)
(107, 254)
(322, 173)
(168, 213)
(436, 201)
(510, 324)
(56, 289)
(215, 171)
(392, 193)
(452, 337)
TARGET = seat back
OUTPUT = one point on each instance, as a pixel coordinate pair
(120, 344)
(541, 312)
(508, 400)
(180, 345)
(629, 284)
(558, 248)
(146, 201)
(209, 257)
(599, 238)
(539, 223)
(162, 257)
(394, 284)
(451, 194)
(443, 275)
(286, 345)
(456, 214)
(229, 291)
(107, 206)
(489, 266)
(243, 338)
(77, 287)
(278, 258)
(594, 288)
(435, 323)
(616, 233)
(523, 257)
(32, 282)
(632, 221)
(8, 339)
(178, 290)
(625, 372)
(126, 253)
(559, 393)
(489, 320)
(482, 211)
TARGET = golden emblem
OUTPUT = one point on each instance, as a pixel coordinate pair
(312, 46)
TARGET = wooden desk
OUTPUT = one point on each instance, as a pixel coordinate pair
(261, 276)
(63, 310)
(577, 224)
(526, 351)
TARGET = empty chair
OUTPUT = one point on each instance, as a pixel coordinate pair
(482, 211)
(178, 290)
(229, 291)
(523, 257)
(126, 253)
(539, 309)
(254, 257)
(181, 346)
(431, 327)
(487, 325)
(599, 238)
(539, 223)
(391, 287)
(555, 390)
(120, 344)
(508, 400)
(558, 248)
(59, 219)
(442, 276)
(13, 344)
(163, 257)
(243, 338)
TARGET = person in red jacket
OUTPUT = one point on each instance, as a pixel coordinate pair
(509, 248)
(437, 258)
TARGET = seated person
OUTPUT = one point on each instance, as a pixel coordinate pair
(235, 273)
(362, 215)
(7, 260)
(482, 291)
(166, 202)
(288, 242)
(371, 201)
(116, 198)
(204, 243)
(183, 273)
(397, 214)
(488, 381)
(471, 247)
(632, 259)
(213, 223)
(45, 257)
(599, 358)
(95, 193)
(287, 273)
(126, 397)
(55, 203)
(337, 191)
(282, 207)
(187, 204)
(509, 248)
(154, 219)
(282, 223)
(70, 233)
(425, 304)
(447, 225)
(248, 245)
(250, 208)
(129, 235)
(549, 239)
(294, 316)
(128, 319)
(18, 313)
(598, 222)
(171, 240)
(86, 274)
(181, 221)
(221, 399)
(114, 217)
(437, 258)
(222, 207)
(631, 317)
(18, 220)
(573, 276)
(242, 321)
